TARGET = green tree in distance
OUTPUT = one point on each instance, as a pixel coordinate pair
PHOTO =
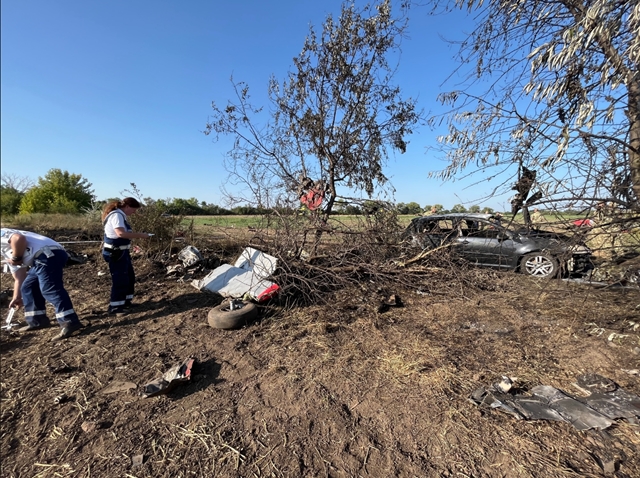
(58, 192)
(10, 199)
(413, 208)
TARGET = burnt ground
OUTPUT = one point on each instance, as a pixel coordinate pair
(340, 390)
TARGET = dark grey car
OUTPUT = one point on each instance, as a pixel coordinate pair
(484, 241)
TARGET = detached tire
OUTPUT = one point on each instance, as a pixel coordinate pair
(540, 265)
(221, 317)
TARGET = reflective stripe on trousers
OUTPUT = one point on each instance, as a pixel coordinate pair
(44, 283)
(123, 278)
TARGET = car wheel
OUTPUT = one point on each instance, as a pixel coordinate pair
(540, 265)
(223, 317)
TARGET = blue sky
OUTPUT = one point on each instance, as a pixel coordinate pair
(120, 91)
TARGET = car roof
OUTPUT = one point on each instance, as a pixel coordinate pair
(455, 215)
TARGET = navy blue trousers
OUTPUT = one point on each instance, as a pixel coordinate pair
(123, 277)
(44, 283)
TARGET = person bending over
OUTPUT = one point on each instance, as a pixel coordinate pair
(36, 263)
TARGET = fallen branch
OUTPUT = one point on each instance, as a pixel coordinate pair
(422, 255)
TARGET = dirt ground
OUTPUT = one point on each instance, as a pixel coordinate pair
(346, 389)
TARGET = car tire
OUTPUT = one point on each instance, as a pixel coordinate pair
(540, 265)
(222, 317)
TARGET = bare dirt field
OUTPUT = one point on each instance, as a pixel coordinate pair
(344, 389)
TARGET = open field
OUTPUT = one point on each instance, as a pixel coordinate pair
(344, 389)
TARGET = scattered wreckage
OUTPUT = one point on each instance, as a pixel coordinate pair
(169, 380)
(603, 402)
(482, 240)
(244, 282)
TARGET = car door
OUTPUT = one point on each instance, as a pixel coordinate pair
(487, 244)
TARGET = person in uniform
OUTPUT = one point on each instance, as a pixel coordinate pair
(431, 212)
(116, 252)
(36, 263)
(537, 219)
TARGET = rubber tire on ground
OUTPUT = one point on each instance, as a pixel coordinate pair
(221, 317)
(540, 265)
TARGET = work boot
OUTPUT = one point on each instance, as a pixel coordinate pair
(67, 331)
(31, 328)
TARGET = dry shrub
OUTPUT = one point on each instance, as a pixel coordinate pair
(166, 229)
(364, 256)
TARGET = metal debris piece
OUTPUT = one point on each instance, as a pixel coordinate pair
(604, 403)
(75, 258)
(137, 460)
(580, 415)
(168, 381)
(60, 399)
(9, 325)
(175, 269)
(249, 275)
(190, 257)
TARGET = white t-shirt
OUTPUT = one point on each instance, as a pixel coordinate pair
(35, 242)
(115, 219)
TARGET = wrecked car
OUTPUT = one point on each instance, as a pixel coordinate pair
(482, 240)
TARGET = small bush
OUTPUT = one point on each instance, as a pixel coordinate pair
(154, 219)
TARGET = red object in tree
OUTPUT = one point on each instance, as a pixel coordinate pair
(312, 198)
(583, 223)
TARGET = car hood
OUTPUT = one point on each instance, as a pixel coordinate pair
(552, 241)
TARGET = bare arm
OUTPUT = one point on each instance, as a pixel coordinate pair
(121, 233)
(18, 245)
(19, 277)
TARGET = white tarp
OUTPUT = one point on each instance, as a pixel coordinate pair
(248, 275)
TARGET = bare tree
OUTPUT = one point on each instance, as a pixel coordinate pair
(333, 120)
(555, 88)
(18, 183)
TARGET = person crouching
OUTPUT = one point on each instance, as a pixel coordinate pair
(116, 251)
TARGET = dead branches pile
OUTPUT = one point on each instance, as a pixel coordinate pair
(364, 256)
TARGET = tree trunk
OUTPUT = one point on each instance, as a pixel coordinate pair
(634, 135)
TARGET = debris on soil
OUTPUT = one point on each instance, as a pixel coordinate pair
(625, 271)
(604, 402)
(190, 257)
(175, 269)
(75, 258)
(60, 399)
(8, 321)
(249, 275)
(171, 378)
(391, 301)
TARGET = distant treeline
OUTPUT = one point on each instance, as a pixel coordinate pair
(61, 192)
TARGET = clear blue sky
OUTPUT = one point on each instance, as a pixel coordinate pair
(120, 91)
